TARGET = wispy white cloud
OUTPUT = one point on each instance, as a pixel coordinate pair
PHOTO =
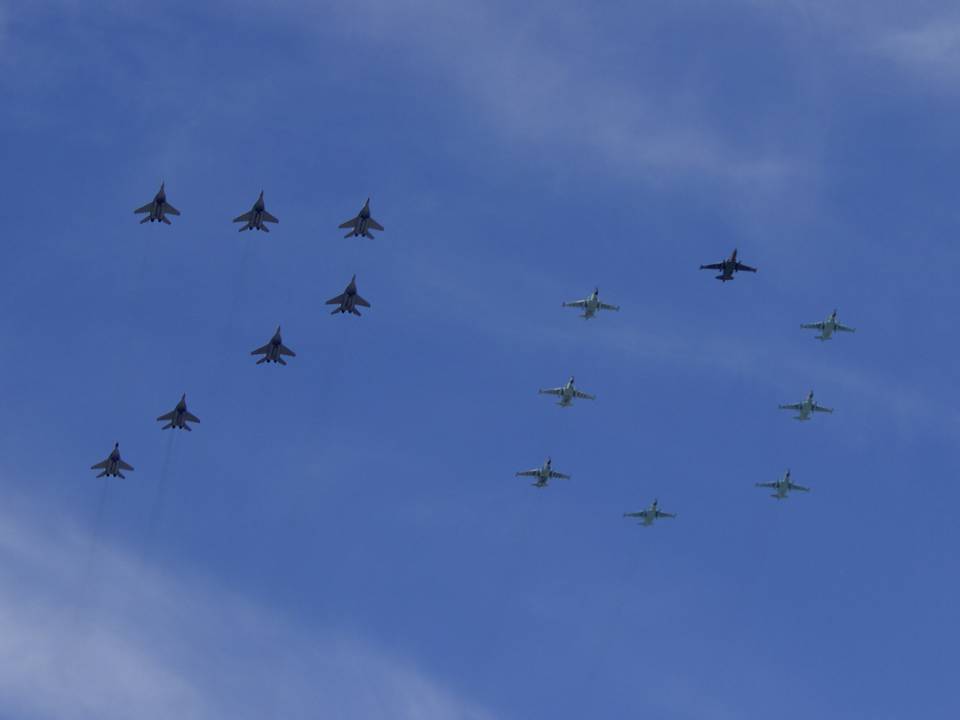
(533, 76)
(932, 48)
(112, 638)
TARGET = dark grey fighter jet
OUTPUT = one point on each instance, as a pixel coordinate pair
(348, 300)
(179, 416)
(158, 208)
(362, 224)
(256, 218)
(112, 465)
(728, 267)
(274, 350)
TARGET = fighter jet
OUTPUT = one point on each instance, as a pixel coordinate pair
(348, 300)
(256, 218)
(828, 327)
(179, 416)
(650, 514)
(806, 408)
(274, 350)
(567, 393)
(782, 487)
(591, 305)
(544, 474)
(728, 267)
(362, 224)
(112, 465)
(158, 208)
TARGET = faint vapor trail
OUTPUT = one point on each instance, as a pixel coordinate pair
(157, 508)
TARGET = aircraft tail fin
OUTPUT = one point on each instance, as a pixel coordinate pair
(146, 219)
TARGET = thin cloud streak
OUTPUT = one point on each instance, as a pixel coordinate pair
(516, 73)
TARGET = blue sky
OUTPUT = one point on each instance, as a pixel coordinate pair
(344, 536)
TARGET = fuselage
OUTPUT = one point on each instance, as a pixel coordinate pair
(156, 213)
(829, 326)
(592, 305)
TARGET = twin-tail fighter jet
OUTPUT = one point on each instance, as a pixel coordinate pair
(728, 267)
(274, 350)
(650, 514)
(567, 393)
(112, 465)
(828, 327)
(591, 305)
(782, 487)
(179, 416)
(544, 474)
(256, 218)
(362, 224)
(806, 408)
(348, 300)
(158, 208)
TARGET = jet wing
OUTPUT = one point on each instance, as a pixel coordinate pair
(812, 326)
(284, 350)
(169, 416)
(170, 209)
(772, 485)
(528, 473)
(123, 465)
(821, 408)
(261, 350)
(844, 328)
(558, 475)
(360, 301)
(641, 514)
(374, 225)
(744, 268)
(584, 396)
(246, 217)
(338, 300)
(145, 209)
(801, 488)
(794, 406)
(604, 306)
(712, 266)
(576, 304)
(349, 223)
(551, 391)
(665, 514)
(267, 217)
(101, 465)
(191, 417)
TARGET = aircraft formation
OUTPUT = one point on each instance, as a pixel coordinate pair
(347, 302)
